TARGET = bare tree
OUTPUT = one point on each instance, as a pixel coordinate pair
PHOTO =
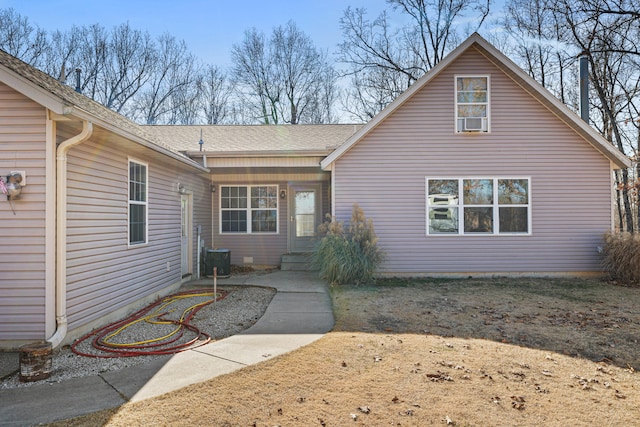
(607, 32)
(404, 54)
(62, 53)
(21, 39)
(215, 95)
(300, 69)
(254, 74)
(285, 77)
(538, 38)
(173, 74)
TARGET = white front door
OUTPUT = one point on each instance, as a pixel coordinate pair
(305, 209)
(186, 232)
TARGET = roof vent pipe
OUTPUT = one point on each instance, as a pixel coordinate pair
(78, 88)
(584, 86)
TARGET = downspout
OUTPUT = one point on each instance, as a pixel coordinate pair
(61, 231)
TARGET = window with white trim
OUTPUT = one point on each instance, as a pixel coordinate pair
(138, 179)
(249, 209)
(472, 103)
(478, 206)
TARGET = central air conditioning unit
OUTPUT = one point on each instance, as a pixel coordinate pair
(474, 124)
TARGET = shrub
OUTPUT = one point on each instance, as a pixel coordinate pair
(347, 255)
(622, 257)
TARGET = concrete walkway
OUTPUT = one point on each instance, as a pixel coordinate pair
(299, 314)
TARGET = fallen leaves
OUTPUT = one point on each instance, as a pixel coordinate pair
(517, 402)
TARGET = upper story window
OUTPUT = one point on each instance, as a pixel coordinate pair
(249, 209)
(138, 179)
(472, 103)
(478, 206)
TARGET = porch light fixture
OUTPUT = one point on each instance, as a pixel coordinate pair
(181, 188)
(213, 188)
(283, 194)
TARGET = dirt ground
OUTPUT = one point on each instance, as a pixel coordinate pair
(523, 352)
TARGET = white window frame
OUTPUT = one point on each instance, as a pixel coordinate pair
(460, 206)
(144, 203)
(248, 209)
(487, 120)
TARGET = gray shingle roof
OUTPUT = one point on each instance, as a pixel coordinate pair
(74, 99)
(254, 138)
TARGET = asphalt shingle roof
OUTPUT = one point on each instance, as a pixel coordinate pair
(254, 138)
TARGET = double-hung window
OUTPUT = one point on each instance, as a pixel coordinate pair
(138, 179)
(249, 209)
(472, 103)
(478, 206)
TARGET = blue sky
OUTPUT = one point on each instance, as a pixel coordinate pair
(209, 27)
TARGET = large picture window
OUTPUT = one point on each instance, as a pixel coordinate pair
(472, 103)
(249, 209)
(138, 178)
(478, 206)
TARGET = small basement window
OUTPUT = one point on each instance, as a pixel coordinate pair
(472, 104)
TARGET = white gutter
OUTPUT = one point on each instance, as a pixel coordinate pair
(61, 231)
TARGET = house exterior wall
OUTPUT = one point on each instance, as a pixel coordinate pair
(263, 248)
(104, 274)
(570, 181)
(22, 263)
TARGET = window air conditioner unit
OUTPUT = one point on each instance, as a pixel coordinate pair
(474, 124)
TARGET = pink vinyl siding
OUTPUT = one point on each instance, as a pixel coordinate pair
(570, 181)
(103, 272)
(22, 263)
(264, 248)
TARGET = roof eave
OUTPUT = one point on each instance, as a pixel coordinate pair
(257, 153)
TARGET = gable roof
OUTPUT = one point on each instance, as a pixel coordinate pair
(65, 101)
(250, 140)
(514, 72)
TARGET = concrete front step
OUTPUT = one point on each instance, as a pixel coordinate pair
(296, 262)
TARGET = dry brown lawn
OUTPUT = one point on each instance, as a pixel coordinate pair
(501, 352)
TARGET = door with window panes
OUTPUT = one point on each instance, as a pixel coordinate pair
(305, 214)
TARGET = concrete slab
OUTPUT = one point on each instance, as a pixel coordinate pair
(46, 403)
(292, 324)
(289, 281)
(129, 381)
(301, 302)
(182, 370)
(251, 349)
(9, 363)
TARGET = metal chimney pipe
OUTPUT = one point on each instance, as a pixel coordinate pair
(584, 86)
(78, 88)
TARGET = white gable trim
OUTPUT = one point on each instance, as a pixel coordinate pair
(524, 80)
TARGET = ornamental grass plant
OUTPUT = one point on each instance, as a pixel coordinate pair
(622, 257)
(347, 254)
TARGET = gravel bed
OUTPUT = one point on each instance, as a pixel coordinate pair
(240, 309)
